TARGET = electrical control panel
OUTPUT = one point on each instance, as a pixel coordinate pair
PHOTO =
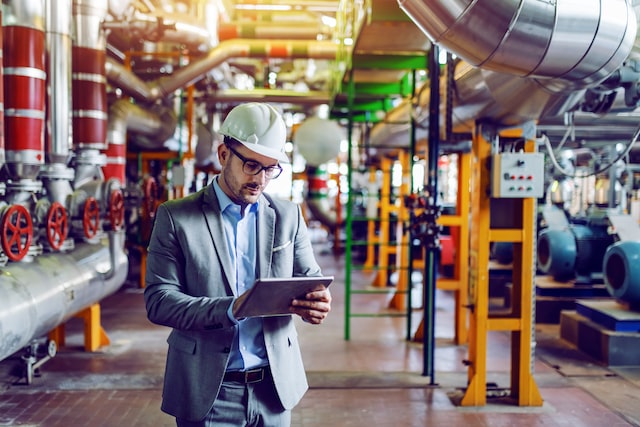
(517, 175)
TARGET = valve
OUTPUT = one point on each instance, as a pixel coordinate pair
(150, 196)
(17, 232)
(57, 225)
(116, 209)
(91, 218)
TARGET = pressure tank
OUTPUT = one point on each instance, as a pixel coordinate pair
(318, 140)
(621, 268)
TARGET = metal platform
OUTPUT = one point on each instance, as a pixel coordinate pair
(553, 297)
(605, 330)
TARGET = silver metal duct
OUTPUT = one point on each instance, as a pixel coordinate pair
(568, 44)
(58, 48)
(237, 48)
(525, 60)
(152, 126)
(242, 48)
(37, 296)
(166, 28)
(124, 79)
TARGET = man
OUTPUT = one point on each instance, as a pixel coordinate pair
(207, 249)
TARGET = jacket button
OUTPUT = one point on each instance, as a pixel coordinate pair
(226, 350)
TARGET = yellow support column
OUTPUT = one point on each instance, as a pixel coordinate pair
(523, 385)
(462, 255)
(520, 320)
(94, 335)
(460, 221)
(384, 249)
(476, 393)
(370, 262)
(403, 245)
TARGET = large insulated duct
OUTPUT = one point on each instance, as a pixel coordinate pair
(58, 48)
(236, 48)
(564, 45)
(38, 296)
(152, 126)
(162, 25)
(521, 61)
(55, 174)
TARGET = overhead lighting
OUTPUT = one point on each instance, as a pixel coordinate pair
(265, 7)
(328, 21)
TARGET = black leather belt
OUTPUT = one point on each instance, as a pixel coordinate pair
(247, 377)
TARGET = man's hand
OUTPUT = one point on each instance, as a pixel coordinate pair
(314, 307)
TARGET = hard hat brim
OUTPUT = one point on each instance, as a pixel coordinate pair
(266, 151)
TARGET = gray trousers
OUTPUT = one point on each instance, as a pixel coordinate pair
(246, 405)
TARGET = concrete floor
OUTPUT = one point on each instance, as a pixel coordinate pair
(373, 379)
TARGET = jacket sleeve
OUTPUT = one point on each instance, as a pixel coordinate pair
(305, 263)
(181, 290)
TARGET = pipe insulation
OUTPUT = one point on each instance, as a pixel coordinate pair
(38, 295)
(518, 61)
(163, 87)
(565, 45)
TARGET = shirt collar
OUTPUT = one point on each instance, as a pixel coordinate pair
(225, 201)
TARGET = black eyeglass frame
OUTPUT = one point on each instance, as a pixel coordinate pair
(268, 170)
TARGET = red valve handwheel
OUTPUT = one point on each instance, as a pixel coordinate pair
(91, 218)
(57, 225)
(150, 196)
(116, 209)
(17, 232)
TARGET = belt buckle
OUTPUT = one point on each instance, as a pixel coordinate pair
(248, 376)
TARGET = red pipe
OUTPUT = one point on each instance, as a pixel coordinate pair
(89, 90)
(24, 99)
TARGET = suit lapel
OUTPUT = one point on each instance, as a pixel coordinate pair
(213, 217)
(266, 230)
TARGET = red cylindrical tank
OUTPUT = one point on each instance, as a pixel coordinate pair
(89, 98)
(24, 99)
(116, 161)
(2, 155)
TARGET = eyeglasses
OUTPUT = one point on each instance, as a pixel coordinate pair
(251, 167)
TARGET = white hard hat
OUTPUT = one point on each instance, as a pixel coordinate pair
(259, 127)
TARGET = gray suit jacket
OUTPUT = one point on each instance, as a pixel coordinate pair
(190, 284)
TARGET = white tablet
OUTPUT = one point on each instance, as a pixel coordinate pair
(272, 296)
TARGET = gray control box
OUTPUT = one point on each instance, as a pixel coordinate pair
(517, 175)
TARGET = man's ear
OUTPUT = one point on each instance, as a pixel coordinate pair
(222, 154)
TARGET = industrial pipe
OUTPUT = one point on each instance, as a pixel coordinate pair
(521, 61)
(38, 296)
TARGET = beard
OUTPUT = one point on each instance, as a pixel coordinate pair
(241, 193)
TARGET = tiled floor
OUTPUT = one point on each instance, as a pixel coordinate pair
(374, 379)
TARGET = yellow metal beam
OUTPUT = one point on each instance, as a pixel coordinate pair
(519, 322)
(94, 335)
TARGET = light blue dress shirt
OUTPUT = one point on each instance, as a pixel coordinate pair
(248, 350)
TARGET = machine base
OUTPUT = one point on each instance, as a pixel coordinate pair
(605, 330)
